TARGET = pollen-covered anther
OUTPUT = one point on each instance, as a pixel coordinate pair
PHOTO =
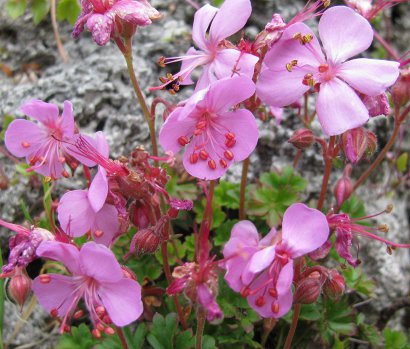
(245, 292)
(230, 142)
(275, 307)
(212, 164)
(183, 141)
(201, 125)
(307, 38)
(98, 233)
(308, 80)
(272, 291)
(193, 158)
(54, 312)
(291, 64)
(78, 314)
(228, 155)
(45, 278)
(223, 163)
(230, 135)
(109, 330)
(198, 131)
(384, 228)
(389, 250)
(163, 80)
(161, 62)
(65, 174)
(389, 208)
(175, 87)
(25, 144)
(203, 154)
(298, 36)
(326, 3)
(260, 301)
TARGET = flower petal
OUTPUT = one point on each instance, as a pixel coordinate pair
(98, 191)
(230, 62)
(106, 220)
(75, 213)
(59, 293)
(304, 230)
(101, 144)
(258, 262)
(369, 76)
(228, 92)
(61, 252)
(344, 33)
(246, 232)
(122, 301)
(269, 238)
(25, 132)
(98, 261)
(231, 18)
(100, 26)
(46, 113)
(281, 88)
(67, 120)
(207, 299)
(202, 19)
(339, 108)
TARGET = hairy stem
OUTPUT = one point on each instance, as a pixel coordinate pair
(141, 99)
(199, 328)
(244, 179)
(54, 24)
(206, 226)
(122, 338)
(294, 324)
(392, 53)
(328, 156)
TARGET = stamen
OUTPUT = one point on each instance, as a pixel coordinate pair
(245, 292)
(61, 159)
(230, 142)
(260, 301)
(25, 144)
(307, 38)
(98, 233)
(54, 312)
(272, 291)
(65, 174)
(45, 278)
(275, 307)
(96, 333)
(183, 141)
(212, 164)
(228, 155)
(193, 158)
(223, 163)
(384, 228)
(161, 62)
(203, 154)
(78, 314)
(110, 331)
(323, 68)
(230, 135)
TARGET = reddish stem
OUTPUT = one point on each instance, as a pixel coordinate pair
(54, 24)
(386, 46)
(122, 338)
(328, 156)
(244, 179)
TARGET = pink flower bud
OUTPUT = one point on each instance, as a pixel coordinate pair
(371, 144)
(354, 144)
(302, 139)
(138, 215)
(401, 90)
(307, 291)
(145, 241)
(19, 287)
(344, 187)
(334, 285)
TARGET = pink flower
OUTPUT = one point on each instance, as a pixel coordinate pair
(44, 144)
(218, 60)
(96, 277)
(215, 136)
(265, 276)
(108, 19)
(296, 63)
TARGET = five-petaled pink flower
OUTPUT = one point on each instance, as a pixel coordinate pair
(263, 270)
(112, 18)
(44, 144)
(296, 63)
(218, 60)
(97, 278)
(215, 136)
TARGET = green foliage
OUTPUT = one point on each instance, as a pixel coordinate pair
(176, 250)
(396, 340)
(80, 338)
(228, 194)
(39, 9)
(145, 267)
(274, 194)
(402, 161)
(164, 334)
(135, 340)
(7, 119)
(16, 8)
(218, 215)
(354, 207)
(223, 233)
(68, 10)
(358, 281)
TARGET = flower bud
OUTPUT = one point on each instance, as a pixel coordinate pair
(145, 241)
(344, 187)
(377, 105)
(401, 89)
(19, 287)
(334, 285)
(354, 144)
(371, 144)
(307, 291)
(138, 215)
(302, 139)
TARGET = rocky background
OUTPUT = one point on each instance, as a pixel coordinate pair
(95, 79)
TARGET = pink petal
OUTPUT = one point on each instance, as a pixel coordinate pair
(122, 300)
(230, 19)
(72, 150)
(60, 293)
(304, 230)
(228, 92)
(100, 26)
(288, 49)
(190, 64)
(258, 262)
(230, 62)
(46, 113)
(202, 19)
(106, 220)
(339, 108)
(206, 78)
(281, 88)
(243, 124)
(67, 120)
(269, 238)
(175, 126)
(20, 132)
(101, 144)
(130, 11)
(369, 76)
(246, 232)
(207, 299)
(61, 252)
(75, 213)
(98, 191)
(98, 261)
(344, 33)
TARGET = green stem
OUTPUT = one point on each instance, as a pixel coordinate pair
(141, 99)
(122, 338)
(244, 179)
(200, 328)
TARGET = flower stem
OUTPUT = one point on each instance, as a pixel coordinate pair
(1, 303)
(122, 338)
(292, 330)
(328, 156)
(392, 53)
(200, 328)
(60, 47)
(141, 99)
(244, 179)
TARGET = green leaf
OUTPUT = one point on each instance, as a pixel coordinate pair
(80, 338)
(228, 194)
(218, 215)
(39, 9)
(7, 119)
(358, 281)
(401, 162)
(395, 340)
(69, 10)
(176, 250)
(310, 312)
(223, 233)
(16, 8)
